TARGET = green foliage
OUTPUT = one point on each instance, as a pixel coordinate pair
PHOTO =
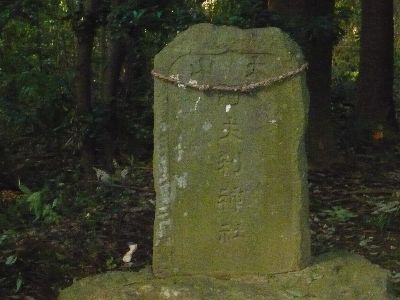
(11, 260)
(6, 236)
(339, 214)
(36, 204)
(19, 283)
(245, 14)
(380, 221)
(111, 263)
(385, 212)
(35, 77)
(346, 53)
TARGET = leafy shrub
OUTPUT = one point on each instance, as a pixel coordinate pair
(36, 203)
(385, 213)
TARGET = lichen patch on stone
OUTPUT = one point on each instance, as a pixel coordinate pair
(207, 126)
(182, 180)
(197, 103)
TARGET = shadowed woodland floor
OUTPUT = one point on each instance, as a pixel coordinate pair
(354, 206)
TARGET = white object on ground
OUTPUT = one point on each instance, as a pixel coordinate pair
(128, 255)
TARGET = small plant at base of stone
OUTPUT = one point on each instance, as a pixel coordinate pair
(339, 214)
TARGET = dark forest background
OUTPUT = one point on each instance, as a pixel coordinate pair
(76, 96)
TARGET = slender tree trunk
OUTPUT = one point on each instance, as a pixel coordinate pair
(115, 61)
(84, 94)
(375, 107)
(317, 46)
(321, 140)
(396, 77)
(84, 71)
(112, 80)
(39, 40)
(85, 28)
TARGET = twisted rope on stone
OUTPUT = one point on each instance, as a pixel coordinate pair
(193, 84)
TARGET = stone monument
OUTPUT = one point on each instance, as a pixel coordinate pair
(230, 177)
(229, 160)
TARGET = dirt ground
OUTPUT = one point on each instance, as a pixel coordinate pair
(354, 206)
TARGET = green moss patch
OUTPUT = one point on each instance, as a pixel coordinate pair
(333, 276)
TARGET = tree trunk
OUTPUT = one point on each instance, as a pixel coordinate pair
(115, 61)
(321, 140)
(84, 96)
(396, 77)
(85, 28)
(375, 107)
(317, 45)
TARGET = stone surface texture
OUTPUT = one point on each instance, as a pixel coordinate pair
(229, 168)
(335, 276)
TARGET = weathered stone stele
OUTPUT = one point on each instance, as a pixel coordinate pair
(229, 167)
(230, 183)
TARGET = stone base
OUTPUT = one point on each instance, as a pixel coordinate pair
(332, 276)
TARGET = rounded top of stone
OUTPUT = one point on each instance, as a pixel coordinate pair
(207, 38)
(227, 55)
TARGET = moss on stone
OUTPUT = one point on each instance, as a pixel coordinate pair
(229, 168)
(332, 276)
